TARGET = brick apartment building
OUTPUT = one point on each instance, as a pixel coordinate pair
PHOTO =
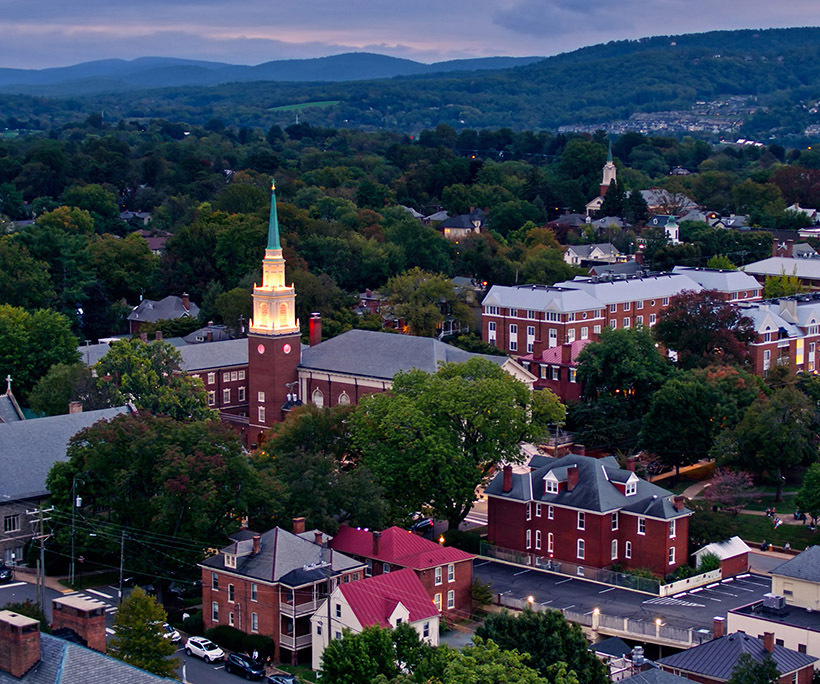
(589, 512)
(272, 583)
(445, 572)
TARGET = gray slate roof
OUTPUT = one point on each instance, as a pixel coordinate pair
(717, 658)
(614, 646)
(631, 289)
(723, 281)
(214, 355)
(540, 298)
(804, 566)
(29, 448)
(381, 355)
(62, 662)
(802, 268)
(655, 676)
(170, 307)
(595, 490)
(286, 558)
(9, 409)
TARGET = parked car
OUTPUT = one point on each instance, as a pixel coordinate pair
(423, 526)
(241, 664)
(204, 648)
(283, 679)
(170, 633)
(6, 573)
(185, 589)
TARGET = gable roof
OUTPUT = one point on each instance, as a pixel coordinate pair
(10, 411)
(149, 310)
(397, 547)
(584, 251)
(802, 268)
(595, 490)
(655, 676)
(374, 599)
(723, 281)
(30, 447)
(64, 662)
(729, 548)
(630, 289)
(286, 558)
(804, 566)
(540, 298)
(381, 355)
(613, 646)
(717, 658)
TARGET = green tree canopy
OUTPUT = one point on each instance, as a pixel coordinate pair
(67, 382)
(751, 671)
(24, 281)
(483, 662)
(139, 638)
(808, 498)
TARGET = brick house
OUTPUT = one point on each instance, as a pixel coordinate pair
(272, 583)
(445, 572)
(556, 368)
(384, 601)
(150, 311)
(712, 662)
(589, 512)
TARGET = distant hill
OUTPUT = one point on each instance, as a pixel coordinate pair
(116, 75)
(770, 80)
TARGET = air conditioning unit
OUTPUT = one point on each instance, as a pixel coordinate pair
(774, 603)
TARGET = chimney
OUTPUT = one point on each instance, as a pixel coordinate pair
(678, 502)
(298, 525)
(315, 328)
(318, 537)
(775, 245)
(789, 248)
(572, 477)
(768, 641)
(507, 481)
(75, 407)
(186, 301)
(377, 536)
(538, 347)
(144, 337)
(158, 336)
(19, 643)
(566, 353)
(639, 257)
(83, 615)
(257, 544)
(209, 336)
(630, 464)
(579, 449)
(718, 627)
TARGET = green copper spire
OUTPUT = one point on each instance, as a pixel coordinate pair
(609, 153)
(273, 224)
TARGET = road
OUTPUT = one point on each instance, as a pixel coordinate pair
(693, 609)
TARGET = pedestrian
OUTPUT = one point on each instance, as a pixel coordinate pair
(787, 546)
(255, 655)
(768, 511)
(764, 546)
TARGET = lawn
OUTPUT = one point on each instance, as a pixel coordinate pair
(756, 528)
(92, 579)
(304, 673)
(784, 508)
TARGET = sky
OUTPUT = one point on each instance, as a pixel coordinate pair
(58, 32)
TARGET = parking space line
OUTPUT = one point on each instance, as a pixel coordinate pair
(546, 603)
(568, 607)
(569, 579)
(478, 565)
(13, 584)
(515, 574)
(606, 590)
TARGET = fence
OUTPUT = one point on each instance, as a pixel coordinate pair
(691, 582)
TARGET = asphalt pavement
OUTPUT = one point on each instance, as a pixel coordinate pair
(693, 609)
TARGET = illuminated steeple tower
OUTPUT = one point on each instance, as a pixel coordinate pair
(610, 171)
(274, 339)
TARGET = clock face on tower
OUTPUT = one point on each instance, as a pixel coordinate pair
(261, 349)
(286, 348)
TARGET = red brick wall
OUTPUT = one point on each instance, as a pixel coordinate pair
(90, 625)
(269, 368)
(332, 390)
(462, 586)
(735, 565)
(19, 648)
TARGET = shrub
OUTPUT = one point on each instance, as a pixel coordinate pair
(708, 562)
(482, 592)
(233, 639)
(193, 624)
(466, 541)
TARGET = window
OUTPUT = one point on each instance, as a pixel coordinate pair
(230, 560)
(551, 509)
(211, 378)
(530, 338)
(641, 525)
(338, 635)
(513, 313)
(529, 511)
(573, 375)
(613, 549)
(241, 393)
(226, 396)
(813, 329)
(513, 337)
(596, 330)
(767, 359)
(552, 487)
(812, 348)
(627, 306)
(226, 377)
(652, 319)
(631, 488)
(579, 553)
(318, 398)
(666, 301)
(230, 619)
(214, 581)
(338, 610)
(438, 576)
(671, 529)
(230, 593)
(491, 330)
(767, 337)
(261, 411)
(234, 375)
(627, 323)
(671, 555)
(260, 397)
(211, 398)
(638, 320)
(426, 630)
(570, 317)
(214, 612)
(628, 549)
(437, 602)
(552, 316)
(492, 310)
(614, 521)
(11, 555)
(241, 375)
(801, 648)
(544, 372)
(451, 599)
(254, 622)
(639, 305)
(11, 523)
(528, 539)
(532, 315)
(652, 303)
(451, 572)
(538, 510)
(584, 333)
(556, 373)
(344, 399)
(553, 338)
(385, 568)
(571, 335)
(582, 519)
(550, 542)
(613, 324)
(368, 571)
(254, 591)
(537, 540)
(613, 308)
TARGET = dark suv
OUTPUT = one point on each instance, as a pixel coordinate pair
(6, 573)
(244, 665)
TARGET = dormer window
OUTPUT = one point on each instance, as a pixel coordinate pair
(631, 488)
(552, 486)
(230, 560)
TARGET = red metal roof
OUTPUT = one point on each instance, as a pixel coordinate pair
(374, 599)
(398, 547)
(553, 355)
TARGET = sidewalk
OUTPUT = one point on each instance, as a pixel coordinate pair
(29, 575)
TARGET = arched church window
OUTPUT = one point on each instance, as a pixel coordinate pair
(318, 398)
(344, 400)
(283, 314)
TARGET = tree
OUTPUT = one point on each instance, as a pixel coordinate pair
(149, 375)
(434, 438)
(30, 343)
(424, 299)
(781, 286)
(138, 635)
(615, 201)
(65, 383)
(721, 262)
(483, 662)
(808, 498)
(775, 433)
(636, 210)
(703, 329)
(125, 266)
(549, 639)
(747, 670)
(32, 610)
(24, 281)
(730, 489)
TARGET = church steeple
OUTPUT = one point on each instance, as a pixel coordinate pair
(610, 173)
(609, 151)
(273, 223)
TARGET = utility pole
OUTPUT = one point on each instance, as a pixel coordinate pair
(41, 563)
(122, 559)
(74, 506)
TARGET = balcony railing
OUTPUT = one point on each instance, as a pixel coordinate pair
(294, 643)
(299, 609)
